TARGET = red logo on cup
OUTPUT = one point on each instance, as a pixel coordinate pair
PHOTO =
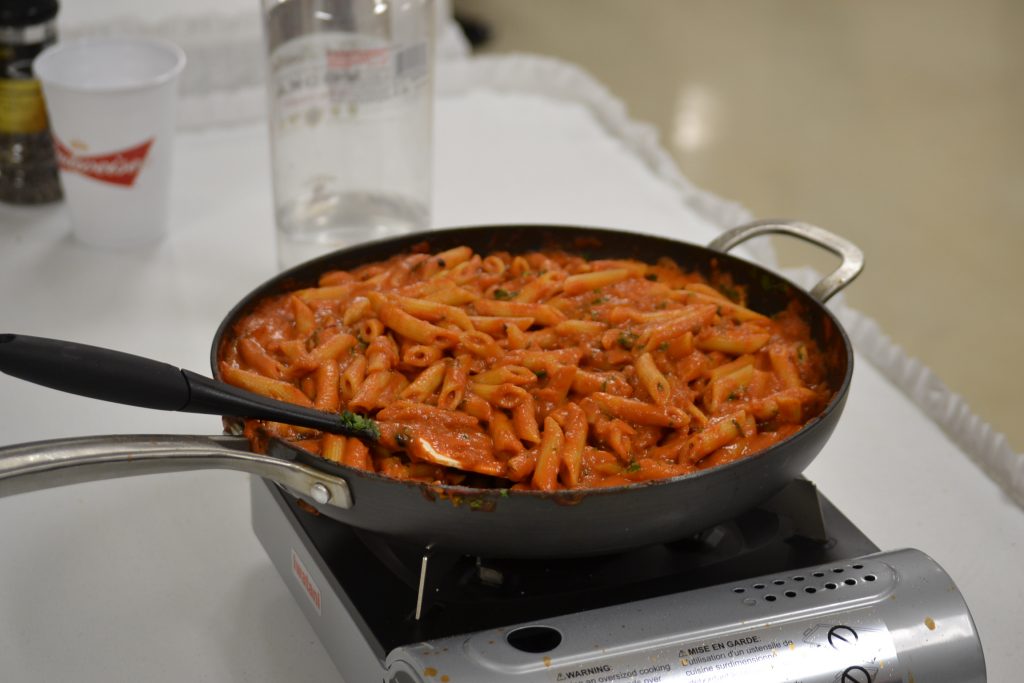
(117, 168)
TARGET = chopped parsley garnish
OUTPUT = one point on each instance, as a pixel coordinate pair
(653, 277)
(504, 294)
(633, 466)
(362, 427)
(627, 340)
(541, 374)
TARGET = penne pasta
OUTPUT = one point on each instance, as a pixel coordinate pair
(427, 382)
(333, 448)
(542, 314)
(258, 359)
(274, 388)
(541, 288)
(539, 370)
(652, 379)
(352, 378)
(453, 386)
(421, 355)
(503, 434)
(327, 397)
(574, 428)
(497, 326)
(434, 311)
(507, 374)
(585, 282)
(413, 328)
(545, 474)
(356, 311)
(367, 396)
(305, 320)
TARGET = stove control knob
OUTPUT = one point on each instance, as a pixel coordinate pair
(841, 637)
(855, 674)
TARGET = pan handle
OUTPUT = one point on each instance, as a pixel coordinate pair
(48, 464)
(848, 270)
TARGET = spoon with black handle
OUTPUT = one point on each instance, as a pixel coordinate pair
(136, 381)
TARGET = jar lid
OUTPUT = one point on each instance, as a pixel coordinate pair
(27, 12)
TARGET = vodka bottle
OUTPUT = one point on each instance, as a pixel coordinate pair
(350, 115)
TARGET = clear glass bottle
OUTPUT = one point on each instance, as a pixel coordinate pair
(28, 167)
(350, 96)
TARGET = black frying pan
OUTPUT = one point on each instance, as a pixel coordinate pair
(498, 523)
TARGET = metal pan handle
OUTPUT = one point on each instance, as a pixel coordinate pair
(848, 270)
(48, 464)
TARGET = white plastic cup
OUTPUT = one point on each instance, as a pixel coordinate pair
(111, 103)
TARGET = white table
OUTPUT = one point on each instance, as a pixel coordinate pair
(161, 579)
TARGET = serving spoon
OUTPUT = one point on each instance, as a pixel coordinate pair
(119, 377)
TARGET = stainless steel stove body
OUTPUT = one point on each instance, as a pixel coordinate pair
(764, 598)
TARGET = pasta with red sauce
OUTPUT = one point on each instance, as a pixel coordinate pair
(540, 370)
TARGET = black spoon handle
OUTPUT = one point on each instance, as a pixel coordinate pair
(133, 380)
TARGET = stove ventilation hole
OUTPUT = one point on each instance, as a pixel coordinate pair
(809, 590)
(534, 639)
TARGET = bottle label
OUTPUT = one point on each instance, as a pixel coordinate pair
(342, 75)
(21, 97)
(21, 106)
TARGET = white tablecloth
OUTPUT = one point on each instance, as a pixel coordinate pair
(161, 579)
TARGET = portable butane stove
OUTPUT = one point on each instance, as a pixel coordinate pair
(790, 591)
